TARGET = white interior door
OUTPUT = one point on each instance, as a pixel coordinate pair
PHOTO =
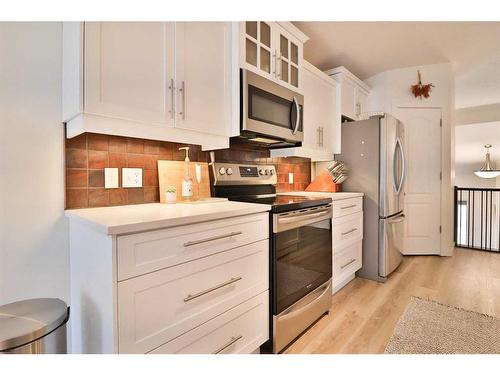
(204, 75)
(128, 67)
(422, 188)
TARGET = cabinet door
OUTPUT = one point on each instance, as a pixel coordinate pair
(348, 97)
(204, 76)
(128, 68)
(258, 54)
(361, 102)
(330, 137)
(289, 55)
(319, 112)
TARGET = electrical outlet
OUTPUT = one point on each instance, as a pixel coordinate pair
(131, 177)
(111, 178)
(290, 178)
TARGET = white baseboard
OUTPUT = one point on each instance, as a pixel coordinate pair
(342, 282)
(449, 251)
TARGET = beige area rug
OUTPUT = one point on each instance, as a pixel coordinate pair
(429, 327)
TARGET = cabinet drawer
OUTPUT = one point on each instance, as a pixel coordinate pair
(150, 251)
(349, 260)
(346, 230)
(240, 330)
(347, 206)
(160, 306)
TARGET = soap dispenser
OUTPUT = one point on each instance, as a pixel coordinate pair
(187, 181)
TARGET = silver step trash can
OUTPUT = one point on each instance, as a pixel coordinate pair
(34, 326)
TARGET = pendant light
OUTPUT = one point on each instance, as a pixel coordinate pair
(486, 171)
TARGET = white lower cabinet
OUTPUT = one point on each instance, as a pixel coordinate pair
(197, 288)
(347, 239)
(239, 330)
(157, 307)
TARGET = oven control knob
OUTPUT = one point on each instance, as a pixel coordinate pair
(222, 171)
(229, 171)
(261, 172)
(266, 172)
(271, 172)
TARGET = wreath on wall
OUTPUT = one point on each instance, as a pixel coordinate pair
(421, 91)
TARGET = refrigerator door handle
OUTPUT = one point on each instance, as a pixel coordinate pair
(403, 165)
(399, 146)
(397, 219)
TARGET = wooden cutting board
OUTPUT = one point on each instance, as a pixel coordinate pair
(171, 173)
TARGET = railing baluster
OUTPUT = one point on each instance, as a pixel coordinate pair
(491, 214)
(465, 218)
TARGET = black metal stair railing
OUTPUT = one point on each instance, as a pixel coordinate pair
(477, 218)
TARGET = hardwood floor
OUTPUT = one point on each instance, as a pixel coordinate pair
(364, 313)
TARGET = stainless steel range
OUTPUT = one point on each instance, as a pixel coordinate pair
(300, 248)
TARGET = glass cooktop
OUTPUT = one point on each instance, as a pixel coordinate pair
(283, 203)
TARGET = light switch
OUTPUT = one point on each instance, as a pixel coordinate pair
(111, 178)
(131, 177)
(290, 178)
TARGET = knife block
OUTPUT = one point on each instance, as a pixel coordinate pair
(324, 183)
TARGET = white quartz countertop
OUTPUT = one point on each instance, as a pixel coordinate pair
(143, 217)
(334, 196)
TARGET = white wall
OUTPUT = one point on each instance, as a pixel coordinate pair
(34, 260)
(391, 89)
(478, 85)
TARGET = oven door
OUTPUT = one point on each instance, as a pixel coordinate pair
(270, 110)
(302, 254)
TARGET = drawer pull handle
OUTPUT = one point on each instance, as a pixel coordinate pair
(349, 231)
(346, 207)
(348, 263)
(214, 288)
(231, 342)
(197, 242)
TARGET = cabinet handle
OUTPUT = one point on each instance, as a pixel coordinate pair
(318, 136)
(349, 231)
(231, 342)
(212, 289)
(183, 95)
(348, 263)
(358, 108)
(197, 242)
(171, 88)
(346, 207)
(277, 62)
(321, 134)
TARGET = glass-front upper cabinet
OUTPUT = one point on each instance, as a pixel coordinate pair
(258, 46)
(288, 60)
(273, 50)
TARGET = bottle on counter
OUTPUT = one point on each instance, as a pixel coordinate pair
(187, 181)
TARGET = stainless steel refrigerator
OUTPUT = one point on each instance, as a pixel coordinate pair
(373, 151)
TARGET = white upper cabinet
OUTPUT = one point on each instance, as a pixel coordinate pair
(353, 93)
(203, 77)
(155, 80)
(124, 76)
(321, 117)
(273, 50)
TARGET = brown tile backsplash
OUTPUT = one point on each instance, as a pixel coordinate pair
(88, 154)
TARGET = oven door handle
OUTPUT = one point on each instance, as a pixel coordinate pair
(297, 121)
(294, 219)
(282, 224)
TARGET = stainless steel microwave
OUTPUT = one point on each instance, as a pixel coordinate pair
(271, 114)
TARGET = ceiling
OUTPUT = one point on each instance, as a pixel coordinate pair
(470, 141)
(369, 48)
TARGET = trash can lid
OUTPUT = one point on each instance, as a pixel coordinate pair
(25, 321)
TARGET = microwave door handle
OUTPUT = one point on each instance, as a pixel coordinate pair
(297, 121)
